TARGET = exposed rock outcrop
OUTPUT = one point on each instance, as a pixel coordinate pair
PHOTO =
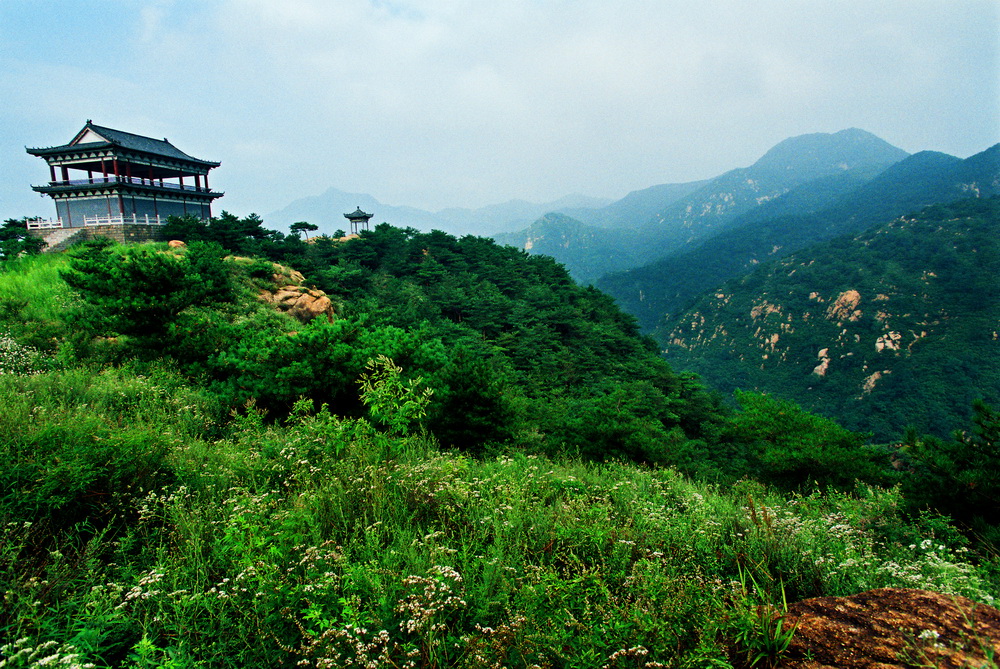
(824, 362)
(301, 303)
(291, 296)
(845, 308)
(892, 628)
(890, 341)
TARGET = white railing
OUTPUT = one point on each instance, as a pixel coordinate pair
(122, 220)
(43, 224)
(89, 221)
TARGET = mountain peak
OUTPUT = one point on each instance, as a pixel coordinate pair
(822, 152)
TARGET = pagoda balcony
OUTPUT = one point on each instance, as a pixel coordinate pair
(111, 179)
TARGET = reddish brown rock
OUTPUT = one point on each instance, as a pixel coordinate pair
(892, 628)
(299, 302)
(176, 244)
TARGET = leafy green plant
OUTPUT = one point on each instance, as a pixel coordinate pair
(392, 402)
(762, 632)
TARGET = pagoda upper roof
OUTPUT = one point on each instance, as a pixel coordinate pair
(94, 136)
(357, 213)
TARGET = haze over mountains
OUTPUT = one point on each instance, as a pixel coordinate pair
(657, 248)
(327, 211)
(833, 162)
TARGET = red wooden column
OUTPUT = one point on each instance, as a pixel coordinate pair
(52, 173)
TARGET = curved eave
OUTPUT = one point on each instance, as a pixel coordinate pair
(102, 146)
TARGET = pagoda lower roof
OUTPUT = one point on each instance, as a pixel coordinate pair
(125, 184)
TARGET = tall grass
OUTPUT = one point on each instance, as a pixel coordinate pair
(327, 542)
(34, 300)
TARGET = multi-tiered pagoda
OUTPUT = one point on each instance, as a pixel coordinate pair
(106, 176)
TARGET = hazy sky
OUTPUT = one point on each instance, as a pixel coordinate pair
(439, 103)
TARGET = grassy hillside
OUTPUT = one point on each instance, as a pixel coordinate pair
(449, 473)
(131, 538)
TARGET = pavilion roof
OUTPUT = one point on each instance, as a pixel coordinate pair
(96, 135)
(357, 213)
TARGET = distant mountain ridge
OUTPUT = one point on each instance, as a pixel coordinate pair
(580, 247)
(827, 208)
(677, 217)
(326, 211)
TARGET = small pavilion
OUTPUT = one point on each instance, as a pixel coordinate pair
(107, 176)
(358, 218)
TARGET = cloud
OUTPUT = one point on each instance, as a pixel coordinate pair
(438, 103)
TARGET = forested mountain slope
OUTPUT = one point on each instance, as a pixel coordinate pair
(894, 327)
(815, 212)
(581, 248)
(638, 207)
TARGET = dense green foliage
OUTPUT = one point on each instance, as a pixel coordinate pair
(444, 474)
(15, 240)
(917, 348)
(515, 351)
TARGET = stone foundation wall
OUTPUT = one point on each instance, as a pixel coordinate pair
(130, 232)
(61, 238)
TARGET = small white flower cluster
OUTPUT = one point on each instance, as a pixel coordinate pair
(47, 654)
(426, 609)
(635, 652)
(18, 359)
(359, 649)
(144, 589)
